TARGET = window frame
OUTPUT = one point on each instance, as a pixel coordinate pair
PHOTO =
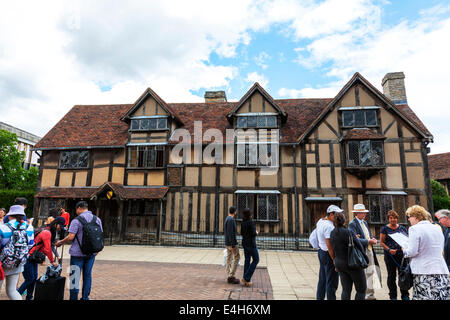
(356, 109)
(142, 203)
(397, 202)
(347, 151)
(77, 166)
(256, 117)
(141, 119)
(141, 156)
(250, 145)
(252, 202)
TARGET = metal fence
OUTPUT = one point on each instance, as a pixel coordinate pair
(143, 235)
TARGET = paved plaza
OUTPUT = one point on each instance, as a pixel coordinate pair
(172, 273)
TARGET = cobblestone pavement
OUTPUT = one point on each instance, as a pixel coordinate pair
(121, 280)
(150, 272)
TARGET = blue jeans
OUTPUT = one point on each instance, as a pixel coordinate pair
(328, 277)
(249, 268)
(80, 265)
(30, 275)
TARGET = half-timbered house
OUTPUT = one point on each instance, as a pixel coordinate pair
(362, 146)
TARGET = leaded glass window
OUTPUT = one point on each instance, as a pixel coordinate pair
(256, 122)
(263, 206)
(359, 118)
(74, 159)
(365, 153)
(147, 124)
(146, 157)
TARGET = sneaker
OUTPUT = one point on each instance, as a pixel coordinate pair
(24, 293)
(248, 284)
(233, 280)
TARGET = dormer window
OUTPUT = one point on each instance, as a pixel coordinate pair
(256, 121)
(359, 117)
(148, 123)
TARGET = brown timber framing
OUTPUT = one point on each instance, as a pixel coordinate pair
(426, 175)
(402, 155)
(296, 204)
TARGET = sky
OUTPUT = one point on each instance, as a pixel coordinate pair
(57, 54)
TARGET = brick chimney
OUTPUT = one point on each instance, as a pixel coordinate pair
(394, 87)
(215, 96)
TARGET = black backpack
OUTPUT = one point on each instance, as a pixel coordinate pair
(92, 237)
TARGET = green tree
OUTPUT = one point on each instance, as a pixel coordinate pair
(441, 200)
(11, 171)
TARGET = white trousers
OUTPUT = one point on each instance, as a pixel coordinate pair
(11, 286)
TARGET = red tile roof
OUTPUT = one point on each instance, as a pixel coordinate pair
(439, 165)
(89, 192)
(132, 192)
(101, 125)
(362, 134)
(88, 126)
(71, 193)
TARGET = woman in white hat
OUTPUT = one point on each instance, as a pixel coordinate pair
(16, 236)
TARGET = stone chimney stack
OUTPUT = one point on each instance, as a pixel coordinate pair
(394, 87)
(215, 96)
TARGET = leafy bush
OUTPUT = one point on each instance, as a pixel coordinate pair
(441, 200)
(7, 198)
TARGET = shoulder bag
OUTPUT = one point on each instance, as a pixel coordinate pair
(405, 277)
(355, 257)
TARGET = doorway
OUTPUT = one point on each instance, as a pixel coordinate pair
(318, 210)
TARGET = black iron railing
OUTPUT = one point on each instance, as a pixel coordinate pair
(116, 232)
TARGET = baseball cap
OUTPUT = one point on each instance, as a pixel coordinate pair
(334, 208)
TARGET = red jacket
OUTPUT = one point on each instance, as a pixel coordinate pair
(43, 244)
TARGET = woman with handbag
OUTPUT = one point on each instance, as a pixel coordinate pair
(42, 247)
(393, 253)
(350, 259)
(425, 246)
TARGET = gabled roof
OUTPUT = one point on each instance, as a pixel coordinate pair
(149, 92)
(88, 126)
(253, 89)
(439, 165)
(404, 112)
(101, 126)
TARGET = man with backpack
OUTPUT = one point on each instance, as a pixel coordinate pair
(86, 234)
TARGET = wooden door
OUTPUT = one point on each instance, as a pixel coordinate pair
(318, 210)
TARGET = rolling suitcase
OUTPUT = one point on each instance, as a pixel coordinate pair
(52, 288)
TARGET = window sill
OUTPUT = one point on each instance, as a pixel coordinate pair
(262, 221)
(157, 168)
(366, 167)
(148, 130)
(84, 168)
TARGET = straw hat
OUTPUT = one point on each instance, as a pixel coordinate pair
(359, 208)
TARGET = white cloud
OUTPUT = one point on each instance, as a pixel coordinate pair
(262, 59)
(418, 48)
(253, 77)
(54, 55)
